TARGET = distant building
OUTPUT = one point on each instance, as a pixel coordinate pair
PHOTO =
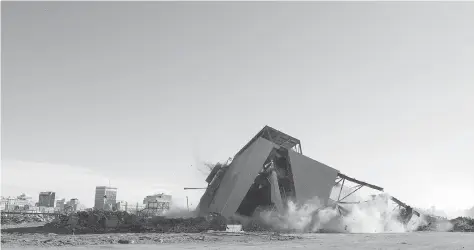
(158, 201)
(105, 198)
(46, 199)
(120, 206)
(60, 205)
(3, 203)
(22, 202)
(72, 205)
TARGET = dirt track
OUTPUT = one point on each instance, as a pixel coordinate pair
(431, 240)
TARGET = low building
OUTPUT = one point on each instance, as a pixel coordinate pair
(22, 202)
(3, 203)
(120, 206)
(158, 201)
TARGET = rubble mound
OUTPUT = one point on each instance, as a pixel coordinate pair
(108, 222)
(256, 226)
(13, 219)
(463, 224)
(459, 224)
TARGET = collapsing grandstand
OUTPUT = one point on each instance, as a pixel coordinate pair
(271, 170)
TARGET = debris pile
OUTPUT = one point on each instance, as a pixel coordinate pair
(13, 219)
(188, 225)
(108, 221)
(463, 224)
(459, 224)
(89, 222)
(257, 225)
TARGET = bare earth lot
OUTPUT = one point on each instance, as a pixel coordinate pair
(425, 240)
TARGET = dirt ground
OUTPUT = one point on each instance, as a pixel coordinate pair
(221, 240)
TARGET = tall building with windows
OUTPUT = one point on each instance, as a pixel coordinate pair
(73, 204)
(60, 205)
(46, 199)
(105, 197)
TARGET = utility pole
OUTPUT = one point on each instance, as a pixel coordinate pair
(187, 202)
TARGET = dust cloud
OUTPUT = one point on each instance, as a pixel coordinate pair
(374, 216)
(176, 211)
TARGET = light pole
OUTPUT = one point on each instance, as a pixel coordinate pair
(187, 202)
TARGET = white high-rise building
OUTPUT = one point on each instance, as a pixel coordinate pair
(105, 197)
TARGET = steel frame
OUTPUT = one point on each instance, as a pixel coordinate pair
(341, 178)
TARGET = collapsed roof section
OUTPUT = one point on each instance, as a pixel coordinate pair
(277, 137)
(267, 172)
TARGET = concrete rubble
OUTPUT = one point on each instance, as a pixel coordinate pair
(123, 222)
(12, 219)
(459, 224)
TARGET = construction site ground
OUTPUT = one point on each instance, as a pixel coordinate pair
(221, 240)
(195, 233)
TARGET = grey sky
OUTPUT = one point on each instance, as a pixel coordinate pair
(380, 91)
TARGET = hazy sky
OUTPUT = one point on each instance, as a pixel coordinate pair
(141, 92)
